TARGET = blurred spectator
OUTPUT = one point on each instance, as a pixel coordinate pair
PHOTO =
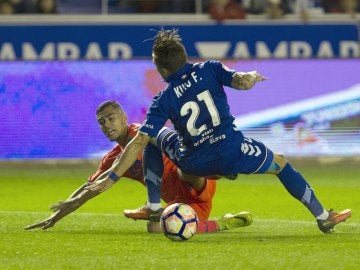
(331, 6)
(121, 6)
(177, 6)
(79, 6)
(255, 6)
(274, 9)
(218, 9)
(26, 6)
(301, 7)
(148, 6)
(36, 6)
(182, 6)
(286, 6)
(226, 9)
(7, 7)
(350, 7)
(341, 6)
(152, 6)
(46, 6)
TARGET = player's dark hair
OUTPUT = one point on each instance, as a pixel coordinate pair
(168, 51)
(114, 104)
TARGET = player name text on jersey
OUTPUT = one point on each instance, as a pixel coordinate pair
(180, 89)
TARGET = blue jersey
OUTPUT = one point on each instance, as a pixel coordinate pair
(196, 104)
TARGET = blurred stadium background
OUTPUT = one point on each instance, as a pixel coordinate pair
(57, 66)
(60, 59)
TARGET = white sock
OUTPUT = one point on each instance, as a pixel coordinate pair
(324, 215)
(153, 206)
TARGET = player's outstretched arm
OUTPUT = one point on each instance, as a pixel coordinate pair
(46, 223)
(62, 209)
(246, 80)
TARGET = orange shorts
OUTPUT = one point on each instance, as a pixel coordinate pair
(174, 190)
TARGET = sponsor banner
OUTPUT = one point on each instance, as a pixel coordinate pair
(119, 41)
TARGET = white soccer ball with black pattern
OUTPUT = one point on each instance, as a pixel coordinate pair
(179, 222)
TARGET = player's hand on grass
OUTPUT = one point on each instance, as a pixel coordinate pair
(100, 185)
(45, 224)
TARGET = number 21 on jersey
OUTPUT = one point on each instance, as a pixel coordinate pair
(193, 108)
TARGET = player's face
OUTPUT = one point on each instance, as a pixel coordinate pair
(113, 123)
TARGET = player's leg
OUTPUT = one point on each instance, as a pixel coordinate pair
(300, 189)
(296, 185)
(153, 167)
(226, 222)
(233, 221)
(203, 204)
(166, 142)
(196, 182)
(202, 193)
(201, 201)
(257, 158)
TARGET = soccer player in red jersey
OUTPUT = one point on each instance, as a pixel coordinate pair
(114, 124)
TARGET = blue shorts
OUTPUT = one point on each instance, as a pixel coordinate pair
(246, 157)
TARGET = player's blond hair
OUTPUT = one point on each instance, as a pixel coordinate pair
(168, 51)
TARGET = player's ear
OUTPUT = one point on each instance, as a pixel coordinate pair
(125, 117)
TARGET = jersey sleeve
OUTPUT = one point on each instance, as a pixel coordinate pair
(156, 116)
(105, 163)
(222, 72)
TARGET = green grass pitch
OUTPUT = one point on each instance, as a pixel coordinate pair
(283, 236)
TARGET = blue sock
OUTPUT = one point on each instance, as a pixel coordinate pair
(297, 186)
(153, 167)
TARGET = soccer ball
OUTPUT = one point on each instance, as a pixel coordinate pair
(179, 222)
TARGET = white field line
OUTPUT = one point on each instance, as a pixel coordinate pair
(300, 222)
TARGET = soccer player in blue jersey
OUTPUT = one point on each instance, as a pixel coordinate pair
(207, 141)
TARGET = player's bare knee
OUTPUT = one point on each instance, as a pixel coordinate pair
(280, 160)
(196, 182)
(278, 163)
